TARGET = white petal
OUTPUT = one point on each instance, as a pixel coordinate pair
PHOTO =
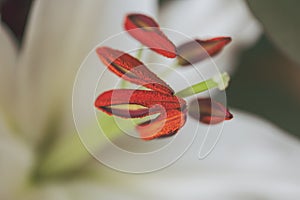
(205, 19)
(76, 190)
(59, 35)
(94, 191)
(8, 56)
(47, 192)
(16, 161)
(253, 160)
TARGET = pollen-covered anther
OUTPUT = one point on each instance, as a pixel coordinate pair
(131, 69)
(197, 50)
(222, 80)
(209, 111)
(147, 31)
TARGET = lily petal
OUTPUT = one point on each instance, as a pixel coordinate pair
(129, 103)
(58, 36)
(198, 50)
(214, 17)
(209, 111)
(166, 124)
(79, 189)
(146, 30)
(16, 162)
(237, 169)
(8, 58)
(131, 69)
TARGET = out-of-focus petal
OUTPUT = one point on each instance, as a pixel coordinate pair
(79, 190)
(59, 35)
(209, 111)
(253, 159)
(197, 50)
(8, 56)
(207, 19)
(46, 192)
(93, 190)
(16, 162)
(131, 69)
(147, 31)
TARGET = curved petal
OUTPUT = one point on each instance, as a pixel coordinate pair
(46, 192)
(78, 190)
(16, 161)
(93, 190)
(207, 19)
(253, 159)
(131, 69)
(8, 58)
(59, 35)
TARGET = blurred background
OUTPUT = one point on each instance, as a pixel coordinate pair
(266, 81)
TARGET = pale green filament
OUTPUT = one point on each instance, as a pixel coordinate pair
(220, 81)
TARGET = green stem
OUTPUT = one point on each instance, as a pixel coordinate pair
(205, 85)
(123, 83)
(139, 53)
(170, 69)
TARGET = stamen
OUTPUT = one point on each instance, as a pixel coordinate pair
(220, 81)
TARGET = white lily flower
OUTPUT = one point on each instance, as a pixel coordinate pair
(36, 87)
